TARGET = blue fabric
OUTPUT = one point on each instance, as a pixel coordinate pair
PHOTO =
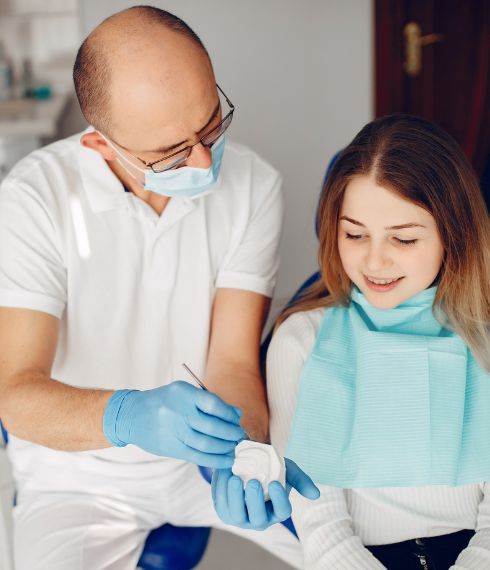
(391, 398)
(4, 433)
(174, 548)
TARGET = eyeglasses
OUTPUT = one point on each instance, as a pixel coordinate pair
(173, 160)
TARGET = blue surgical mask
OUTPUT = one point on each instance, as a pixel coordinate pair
(183, 182)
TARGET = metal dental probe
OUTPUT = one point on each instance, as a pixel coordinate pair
(195, 377)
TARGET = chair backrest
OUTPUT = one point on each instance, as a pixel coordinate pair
(174, 548)
(4, 436)
(6, 562)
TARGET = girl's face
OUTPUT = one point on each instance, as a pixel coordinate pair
(389, 247)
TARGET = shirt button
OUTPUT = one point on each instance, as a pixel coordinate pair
(419, 541)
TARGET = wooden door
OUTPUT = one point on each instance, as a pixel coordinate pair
(433, 60)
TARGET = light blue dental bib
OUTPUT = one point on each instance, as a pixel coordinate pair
(391, 398)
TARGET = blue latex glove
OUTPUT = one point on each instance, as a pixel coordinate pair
(176, 420)
(247, 508)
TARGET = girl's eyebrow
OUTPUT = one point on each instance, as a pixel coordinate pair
(400, 227)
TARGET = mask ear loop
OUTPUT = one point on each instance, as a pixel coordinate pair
(121, 155)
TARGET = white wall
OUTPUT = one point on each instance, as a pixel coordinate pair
(300, 75)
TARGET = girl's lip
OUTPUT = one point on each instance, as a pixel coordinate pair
(381, 288)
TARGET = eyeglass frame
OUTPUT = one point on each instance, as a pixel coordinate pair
(188, 149)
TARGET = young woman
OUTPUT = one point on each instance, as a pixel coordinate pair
(378, 378)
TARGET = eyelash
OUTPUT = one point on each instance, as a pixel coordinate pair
(404, 242)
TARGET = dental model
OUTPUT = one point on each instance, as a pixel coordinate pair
(259, 461)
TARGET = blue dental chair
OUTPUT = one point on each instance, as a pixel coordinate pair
(181, 548)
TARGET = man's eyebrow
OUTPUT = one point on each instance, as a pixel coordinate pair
(168, 149)
(400, 227)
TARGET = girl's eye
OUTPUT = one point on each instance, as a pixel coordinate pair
(350, 236)
(400, 241)
(406, 241)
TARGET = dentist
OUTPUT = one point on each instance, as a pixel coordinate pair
(147, 241)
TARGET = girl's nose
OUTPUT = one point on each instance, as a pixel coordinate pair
(377, 259)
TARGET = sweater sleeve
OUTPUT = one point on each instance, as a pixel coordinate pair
(476, 556)
(324, 526)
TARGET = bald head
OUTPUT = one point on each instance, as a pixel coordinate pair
(137, 62)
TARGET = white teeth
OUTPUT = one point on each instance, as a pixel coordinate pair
(382, 281)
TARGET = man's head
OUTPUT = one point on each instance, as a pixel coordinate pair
(144, 79)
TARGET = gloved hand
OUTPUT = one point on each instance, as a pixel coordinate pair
(176, 420)
(247, 508)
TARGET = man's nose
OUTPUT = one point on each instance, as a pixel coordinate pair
(200, 157)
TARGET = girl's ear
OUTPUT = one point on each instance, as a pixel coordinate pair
(97, 142)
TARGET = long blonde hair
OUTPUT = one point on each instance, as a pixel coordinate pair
(421, 163)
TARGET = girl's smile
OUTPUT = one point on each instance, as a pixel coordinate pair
(382, 285)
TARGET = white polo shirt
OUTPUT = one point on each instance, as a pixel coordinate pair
(133, 290)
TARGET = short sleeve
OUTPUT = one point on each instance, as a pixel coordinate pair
(32, 272)
(253, 260)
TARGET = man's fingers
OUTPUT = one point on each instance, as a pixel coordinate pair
(216, 427)
(213, 405)
(257, 513)
(280, 501)
(206, 443)
(220, 491)
(298, 479)
(236, 501)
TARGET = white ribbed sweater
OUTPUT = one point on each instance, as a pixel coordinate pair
(334, 529)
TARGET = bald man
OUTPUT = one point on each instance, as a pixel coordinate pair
(146, 242)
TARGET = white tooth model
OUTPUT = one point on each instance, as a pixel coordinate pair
(258, 461)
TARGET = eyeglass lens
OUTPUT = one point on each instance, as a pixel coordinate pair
(207, 140)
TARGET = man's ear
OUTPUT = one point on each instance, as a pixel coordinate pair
(97, 142)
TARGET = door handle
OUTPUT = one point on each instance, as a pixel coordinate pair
(414, 42)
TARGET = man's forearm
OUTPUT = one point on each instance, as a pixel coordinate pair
(244, 389)
(50, 413)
